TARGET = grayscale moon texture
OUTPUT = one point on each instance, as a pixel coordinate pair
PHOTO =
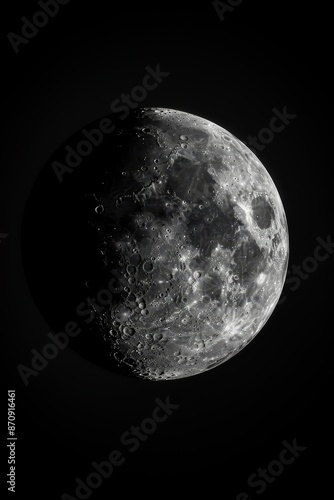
(194, 240)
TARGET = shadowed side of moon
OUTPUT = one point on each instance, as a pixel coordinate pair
(60, 256)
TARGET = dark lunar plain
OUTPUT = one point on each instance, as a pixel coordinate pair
(233, 419)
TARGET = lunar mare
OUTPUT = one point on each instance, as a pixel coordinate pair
(194, 237)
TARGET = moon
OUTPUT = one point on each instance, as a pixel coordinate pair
(194, 240)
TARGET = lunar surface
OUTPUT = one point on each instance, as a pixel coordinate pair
(194, 242)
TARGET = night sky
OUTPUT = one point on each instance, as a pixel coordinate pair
(260, 70)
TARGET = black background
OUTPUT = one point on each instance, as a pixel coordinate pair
(233, 419)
